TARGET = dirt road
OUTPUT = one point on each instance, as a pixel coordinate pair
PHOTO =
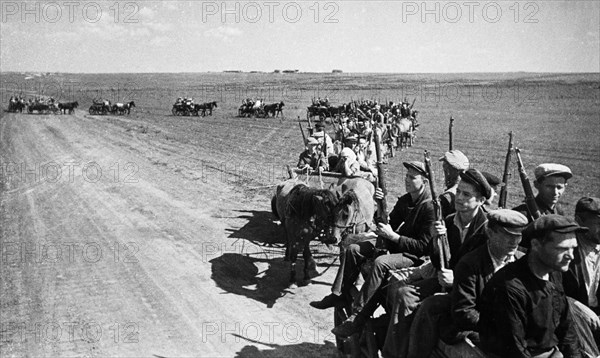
(118, 243)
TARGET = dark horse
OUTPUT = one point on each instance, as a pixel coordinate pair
(307, 214)
(123, 107)
(68, 106)
(206, 106)
(274, 109)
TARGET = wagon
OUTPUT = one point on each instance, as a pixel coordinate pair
(98, 108)
(43, 108)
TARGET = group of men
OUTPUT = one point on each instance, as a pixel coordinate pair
(515, 286)
(354, 158)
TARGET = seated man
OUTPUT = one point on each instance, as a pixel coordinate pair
(454, 162)
(523, 309)
(454, 316)
(494, 182)
(408, 235)
(465, 232)
(312, 158)
(550, 182)
(581, 281)
(347, 165)
(324, 139)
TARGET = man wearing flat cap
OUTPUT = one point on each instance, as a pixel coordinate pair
(324, 139)
(454, 316)
(454, 162)
(524, 311)
(312, 158)
(494, 182)
(407, 238)
(550, 182)
(464, 230)
(581, 281)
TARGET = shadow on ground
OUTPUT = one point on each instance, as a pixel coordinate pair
(256, 268)
(303, 350)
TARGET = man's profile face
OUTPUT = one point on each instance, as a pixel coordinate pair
(592, 222)
(551, 189)
(451, 174)
(556, 253)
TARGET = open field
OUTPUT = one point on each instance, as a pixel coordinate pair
(151, 235)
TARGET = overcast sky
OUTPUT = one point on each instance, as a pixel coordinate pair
(354, 36)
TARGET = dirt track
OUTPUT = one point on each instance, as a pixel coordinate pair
(108, 249)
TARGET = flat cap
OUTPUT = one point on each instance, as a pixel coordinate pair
(352, 138)
(312, 141)
(456, 159)
(319, 125)
(474, 177)
(416, 165)
(588, 205)
(493, 180)
(551, 222)
(547, 169)
(512, 221)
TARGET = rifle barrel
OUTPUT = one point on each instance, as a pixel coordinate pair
(504, 191)
(441, 242)
(532, 207)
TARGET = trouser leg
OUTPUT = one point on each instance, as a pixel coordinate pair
(383, 264)
(351, 260)
(406, 300)
(424, 331)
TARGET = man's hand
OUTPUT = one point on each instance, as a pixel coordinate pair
(438, 229)
(378, 194)
(386, 231)
(445, 277)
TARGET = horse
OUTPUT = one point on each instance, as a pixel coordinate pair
(205, 106)
(355, 209)
(68, 106)
(307, 213)
(123, 107)
(274, 109)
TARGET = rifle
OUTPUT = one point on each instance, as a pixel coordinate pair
(381, 204)
(302, 130)
(412, 104)
(450, 133)
(310, 127)
(441, 242)
(532, 207)
(504, 190)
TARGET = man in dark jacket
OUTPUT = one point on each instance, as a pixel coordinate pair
(454, 316)
(465, 232)
(550, 182)
(454, 162)
(581, 281)
(524, 311)
(407, 236)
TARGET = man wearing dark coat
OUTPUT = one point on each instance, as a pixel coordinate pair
(524, 311)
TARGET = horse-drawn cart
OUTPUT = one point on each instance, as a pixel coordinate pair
(99, 108)
(43, 108)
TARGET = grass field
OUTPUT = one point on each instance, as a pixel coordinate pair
(554, 117)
